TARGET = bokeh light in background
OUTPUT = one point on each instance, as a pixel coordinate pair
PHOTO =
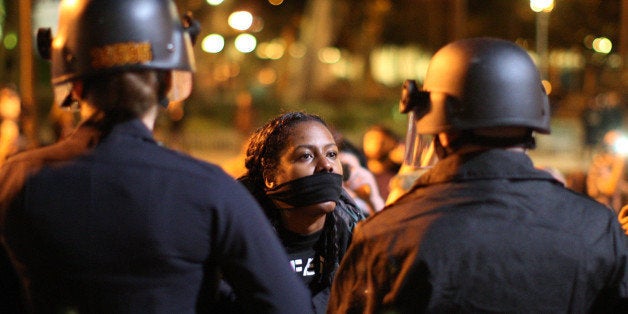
(390, 64)
(213, 43)
(245, 43)
(267, 76)
(272, 50)
(297, 50)
(240, 20)
(10, 41)
(329, 55)
(602, 45)
(542, 5)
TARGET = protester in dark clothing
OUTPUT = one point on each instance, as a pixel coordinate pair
(483, 230)
(294, 171)
(107, 220)
(607, 176)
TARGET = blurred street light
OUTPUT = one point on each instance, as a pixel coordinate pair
(602, 45)
(542, 9)
(214, 2)
(213, 43)
(240, 20)
(245, 43)
(542, 5)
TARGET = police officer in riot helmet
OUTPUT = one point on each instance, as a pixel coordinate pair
(483, 230)
(107, 220)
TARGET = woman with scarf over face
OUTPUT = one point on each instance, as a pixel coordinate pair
(294, 171)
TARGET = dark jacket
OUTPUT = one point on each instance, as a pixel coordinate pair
(485, 232)
(346, 216)
(123, 225)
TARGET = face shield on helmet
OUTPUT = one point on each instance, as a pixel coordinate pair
(419, 152)
(99, 37)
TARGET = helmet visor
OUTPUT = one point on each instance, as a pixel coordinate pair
(419, 147)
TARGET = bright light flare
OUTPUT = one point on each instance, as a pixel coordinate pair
(602, 45)
(213, 43)
(621, 145)
(240, 20)
(542, 5)
(245, 43)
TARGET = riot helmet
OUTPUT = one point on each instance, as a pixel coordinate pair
(481, 83)
(97, 37)
(471, 85)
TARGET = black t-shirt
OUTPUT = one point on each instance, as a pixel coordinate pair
(302, 252)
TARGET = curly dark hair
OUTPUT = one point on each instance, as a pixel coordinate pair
(262, 159)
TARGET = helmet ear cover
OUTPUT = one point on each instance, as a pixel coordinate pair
(412, 99)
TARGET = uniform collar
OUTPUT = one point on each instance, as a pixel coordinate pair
(488, 164)
(90, 133)
(133, 128)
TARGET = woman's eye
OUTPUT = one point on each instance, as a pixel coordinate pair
(307, 156)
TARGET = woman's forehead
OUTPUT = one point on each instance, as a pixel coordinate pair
(309, 130)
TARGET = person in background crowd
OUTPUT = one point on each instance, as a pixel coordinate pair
(10, 108)
(294, 171)
(383, 152)
(483, 230)
(358, 181)
(607, 176)
(604, 112)
(107, 220)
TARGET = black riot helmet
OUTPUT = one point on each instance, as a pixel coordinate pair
(103, 36)
(479, 83)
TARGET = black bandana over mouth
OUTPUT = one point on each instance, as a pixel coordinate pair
(318, 188)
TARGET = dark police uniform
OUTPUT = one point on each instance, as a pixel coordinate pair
(485, 232)
(127, 226)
